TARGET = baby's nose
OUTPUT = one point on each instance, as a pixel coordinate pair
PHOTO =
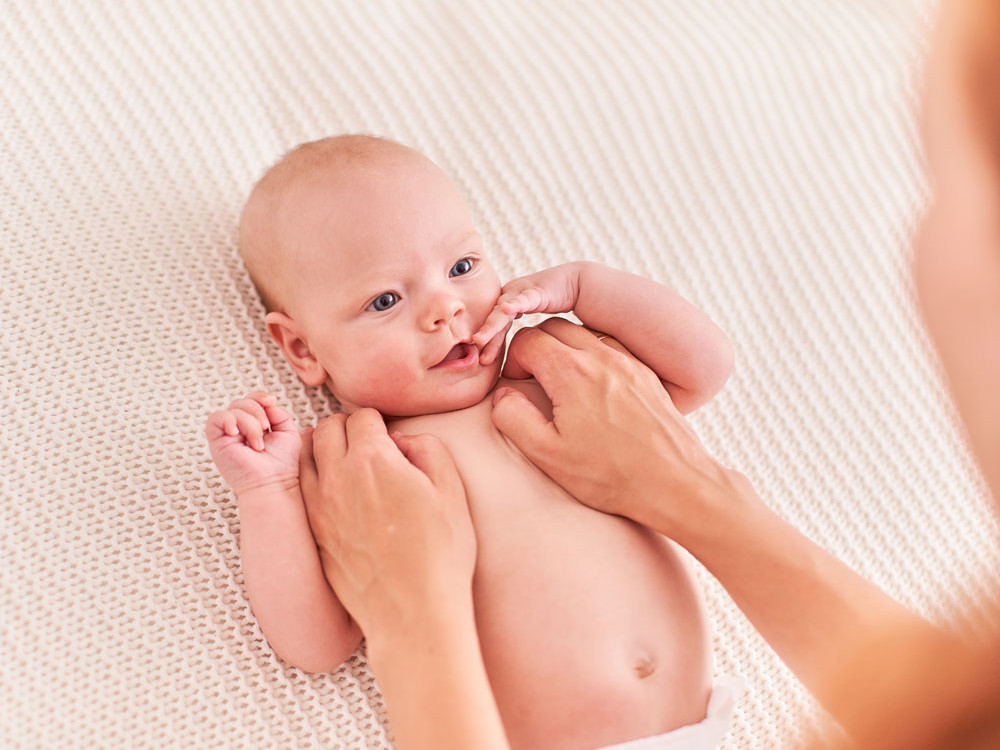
(441, 310)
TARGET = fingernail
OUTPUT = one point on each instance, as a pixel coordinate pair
(498, 394)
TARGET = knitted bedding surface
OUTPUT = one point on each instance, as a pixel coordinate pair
(761, 158)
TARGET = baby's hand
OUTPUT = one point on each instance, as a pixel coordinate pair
(255, 443)
(553, 290)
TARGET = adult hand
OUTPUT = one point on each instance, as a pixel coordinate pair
(615, 442)
(390, 517)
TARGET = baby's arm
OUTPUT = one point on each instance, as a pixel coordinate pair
(256, 446)
(675, 339)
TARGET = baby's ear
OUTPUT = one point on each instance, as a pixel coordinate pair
(289, 338)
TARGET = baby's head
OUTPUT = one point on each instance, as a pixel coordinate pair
(373, 274)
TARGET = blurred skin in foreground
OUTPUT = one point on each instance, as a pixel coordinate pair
(891, 679)
(948, 694)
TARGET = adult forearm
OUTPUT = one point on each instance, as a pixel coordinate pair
(812, 608)
(957, 275)
(434, 683)
(617, 445)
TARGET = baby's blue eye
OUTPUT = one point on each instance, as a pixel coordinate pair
(384, 301)
(462, 267)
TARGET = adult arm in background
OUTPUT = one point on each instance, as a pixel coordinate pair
(391, 520)
(957, 252)
(617, 443)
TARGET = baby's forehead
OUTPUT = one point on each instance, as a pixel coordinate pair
(297, 195)
(326, 191)
(323, 186)
(348, 156)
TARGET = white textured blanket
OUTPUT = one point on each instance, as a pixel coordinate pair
(760, 157)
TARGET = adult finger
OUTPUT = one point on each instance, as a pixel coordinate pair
(629, 361)
(308, 471)
(521, 421)
(364, 426)
(542, 351)
(329, 439)
(571, 334)
(534, 352)
(611, 342)
(428, 453)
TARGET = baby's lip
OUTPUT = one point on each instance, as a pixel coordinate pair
(459, 353)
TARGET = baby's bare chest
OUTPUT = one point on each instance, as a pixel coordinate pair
(524, 521)
(498, 478)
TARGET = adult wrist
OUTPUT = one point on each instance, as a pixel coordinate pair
(724, 499)
(432, 628)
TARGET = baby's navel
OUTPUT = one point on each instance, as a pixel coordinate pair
(645, 664)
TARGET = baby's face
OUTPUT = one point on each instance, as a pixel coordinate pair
(391, 283)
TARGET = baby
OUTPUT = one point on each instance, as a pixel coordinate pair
(592, 628)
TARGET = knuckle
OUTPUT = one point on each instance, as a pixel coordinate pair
(551, 325)
(527, 333)
(586, 363)
(329, 423)
(245, 405)
(364, 451)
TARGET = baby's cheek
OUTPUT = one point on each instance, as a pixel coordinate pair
(386, 391)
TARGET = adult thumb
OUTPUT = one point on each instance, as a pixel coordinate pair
(523, 424)
(429, 454)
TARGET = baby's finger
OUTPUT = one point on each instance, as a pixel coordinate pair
(279, 419)
(252, 407)
(525, 301)
(221, 423)
(492, 349)
(251, 429)
(262, 397)
(494, 322)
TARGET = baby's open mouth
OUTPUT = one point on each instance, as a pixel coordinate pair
(458, 353)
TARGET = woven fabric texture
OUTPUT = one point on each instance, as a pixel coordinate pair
(762, 158)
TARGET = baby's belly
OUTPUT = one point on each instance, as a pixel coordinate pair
(592, 628)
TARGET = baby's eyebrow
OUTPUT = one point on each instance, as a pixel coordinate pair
(462, 239)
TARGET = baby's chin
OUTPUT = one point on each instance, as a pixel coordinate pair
(462, 396)
(453, 399)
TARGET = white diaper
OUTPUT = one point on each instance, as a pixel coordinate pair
(707, 733)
